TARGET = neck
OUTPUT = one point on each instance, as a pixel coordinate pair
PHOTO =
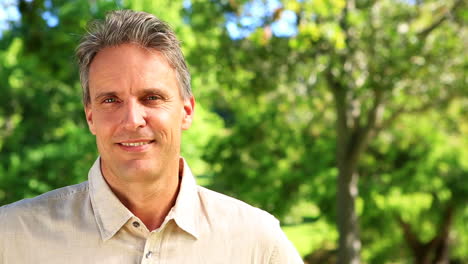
(150, 200)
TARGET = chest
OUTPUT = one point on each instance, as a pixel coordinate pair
(83, 244)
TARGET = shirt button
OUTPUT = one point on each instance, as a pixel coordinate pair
(136, 224)
(149, 254)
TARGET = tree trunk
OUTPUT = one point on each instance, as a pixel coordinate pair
(348, 224)
(435, 251)
(352, 140)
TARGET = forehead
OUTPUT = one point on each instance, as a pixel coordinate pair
(130, 65)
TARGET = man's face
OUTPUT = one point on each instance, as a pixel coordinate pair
(136, 112)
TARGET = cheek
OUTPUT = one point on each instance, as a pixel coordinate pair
(167, 124)
(171, 121)
(104, 124)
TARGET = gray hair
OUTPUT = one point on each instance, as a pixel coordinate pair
(127, 26)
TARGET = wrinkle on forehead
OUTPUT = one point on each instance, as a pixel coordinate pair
(133, 69)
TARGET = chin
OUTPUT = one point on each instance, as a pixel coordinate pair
(141, 170)
(141, 165)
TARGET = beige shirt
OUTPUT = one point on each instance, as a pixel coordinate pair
(86, 223)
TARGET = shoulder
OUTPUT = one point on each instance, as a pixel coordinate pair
(221, 205)
(47, 203)
(30, 222)
(234, 218)
(253, 227)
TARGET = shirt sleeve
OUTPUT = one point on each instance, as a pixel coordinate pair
(284, 251)
(2, 235)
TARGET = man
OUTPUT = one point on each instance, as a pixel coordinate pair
(141, 203)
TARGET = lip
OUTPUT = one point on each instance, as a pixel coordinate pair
(141, 148)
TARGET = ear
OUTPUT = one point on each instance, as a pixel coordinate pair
(188, 112)
(89, 118)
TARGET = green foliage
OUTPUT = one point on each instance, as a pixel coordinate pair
(422, 164)
(391, 58)
(44, 141)
(306, 239)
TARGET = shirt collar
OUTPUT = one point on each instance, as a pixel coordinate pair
(187, 207)
(111, 214)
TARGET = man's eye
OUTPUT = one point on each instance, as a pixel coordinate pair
(152, 97)
(109, 100)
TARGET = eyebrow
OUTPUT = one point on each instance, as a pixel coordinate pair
(153, 90)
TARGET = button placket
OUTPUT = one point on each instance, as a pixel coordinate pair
(153, 244)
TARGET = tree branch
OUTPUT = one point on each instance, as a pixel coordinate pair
(409, 235)
(373, 114)
(441, 251)
(362, 133)
(339, 93)
(436, 250)
(343, 21)
(425, 32)
(404, 110)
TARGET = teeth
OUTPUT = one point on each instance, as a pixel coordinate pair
(135, 144)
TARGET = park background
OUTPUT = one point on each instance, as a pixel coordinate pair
(346, 119)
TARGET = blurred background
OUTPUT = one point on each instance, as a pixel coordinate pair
(346, 119)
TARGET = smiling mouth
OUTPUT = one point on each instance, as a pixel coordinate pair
(136, 144)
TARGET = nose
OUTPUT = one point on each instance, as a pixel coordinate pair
(134, 117)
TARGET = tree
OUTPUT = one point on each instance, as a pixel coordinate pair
(40, 109)
(383, 52)
(374, 61)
